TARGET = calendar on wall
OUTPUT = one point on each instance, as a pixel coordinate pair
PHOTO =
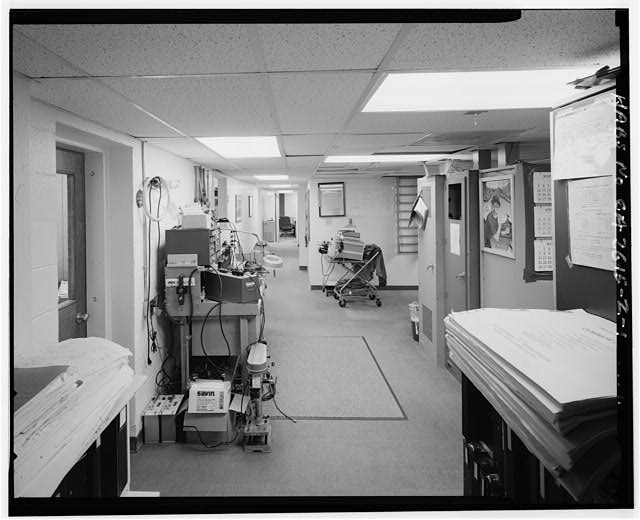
(539, 223)
(543, 252)
(542, 222)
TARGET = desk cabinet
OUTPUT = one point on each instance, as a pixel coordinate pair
(103, 470)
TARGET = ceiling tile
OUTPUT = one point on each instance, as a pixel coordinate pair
(304, 163)
(440, 122)
(203, 107)
(90, 99)
(33, 60)
(191, 149)
(369, 143)
(540, 39)
(136, 49)
(267, 163)
(314, 144)
(321, 102)
(326, 46)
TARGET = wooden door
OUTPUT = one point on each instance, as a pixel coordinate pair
(72, 283)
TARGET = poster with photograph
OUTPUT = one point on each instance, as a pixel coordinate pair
(497, 226)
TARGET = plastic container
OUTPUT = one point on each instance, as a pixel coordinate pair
(415, 320)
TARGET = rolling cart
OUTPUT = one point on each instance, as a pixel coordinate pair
(356, 282)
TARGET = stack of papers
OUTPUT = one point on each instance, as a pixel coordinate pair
(73, 407)
(552, 377)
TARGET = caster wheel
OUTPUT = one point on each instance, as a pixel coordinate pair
(378, 303)
(342, 303)
(372, 296)
(336, 296)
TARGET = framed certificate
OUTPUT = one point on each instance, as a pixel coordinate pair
(331, 199)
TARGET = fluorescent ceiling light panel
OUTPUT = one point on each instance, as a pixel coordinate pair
(276, 186)
(272, 177)
(243, 147)
(386, 158)
(479, 90)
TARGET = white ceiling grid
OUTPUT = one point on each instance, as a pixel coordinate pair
(300, 82)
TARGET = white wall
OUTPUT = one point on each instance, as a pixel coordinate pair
(22, 226)
(115, 244)
(291, 205)
(371, 205)
(301, 229)
(251, 224)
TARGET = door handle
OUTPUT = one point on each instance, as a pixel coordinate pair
(461, 276)
(82, 316)
(429, 266)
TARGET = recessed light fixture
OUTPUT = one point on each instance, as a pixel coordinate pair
(475, 90)
(272, 177)
(384, 158)
(243, 147)
(277, 186)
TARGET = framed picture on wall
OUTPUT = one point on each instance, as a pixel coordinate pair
(238, 208)
(498, 213)
(331, 199)
(250, 205)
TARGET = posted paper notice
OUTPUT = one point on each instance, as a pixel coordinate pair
(592, 222)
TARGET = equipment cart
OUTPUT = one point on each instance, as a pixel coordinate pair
(356, 282)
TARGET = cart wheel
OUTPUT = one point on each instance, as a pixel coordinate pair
(336, 296)
(372, 296)
(378, 303)
(342, 303)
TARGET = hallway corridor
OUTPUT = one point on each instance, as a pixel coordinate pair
(421, 455)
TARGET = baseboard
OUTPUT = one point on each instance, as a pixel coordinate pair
(135, 443)
(385, 288)
(141, 494)
(302, 267)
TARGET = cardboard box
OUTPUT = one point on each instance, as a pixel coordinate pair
(210, 427)
(195, 221)
(209, 396)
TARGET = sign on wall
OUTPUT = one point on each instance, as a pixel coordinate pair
(331, 199)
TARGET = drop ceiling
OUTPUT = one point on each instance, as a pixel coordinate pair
(305, 83)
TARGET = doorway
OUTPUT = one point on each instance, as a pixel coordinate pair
(462, 247)
(71, 240)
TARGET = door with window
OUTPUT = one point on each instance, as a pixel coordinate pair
(71, 240)
(462, 260)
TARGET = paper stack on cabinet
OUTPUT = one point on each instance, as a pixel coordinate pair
(550, 374)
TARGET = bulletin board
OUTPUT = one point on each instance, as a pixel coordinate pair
(580, 192)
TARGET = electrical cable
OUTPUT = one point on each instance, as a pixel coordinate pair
(221, 328)
(218, 368)
(278, 408)
(148, 184)
(211, 446)
(148, 318)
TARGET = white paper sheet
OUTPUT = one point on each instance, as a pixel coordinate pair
(454, 238)
(584, 136)
(592, 222)
(542, 187)
(551, 348)
(543, 253)
(542, 221)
